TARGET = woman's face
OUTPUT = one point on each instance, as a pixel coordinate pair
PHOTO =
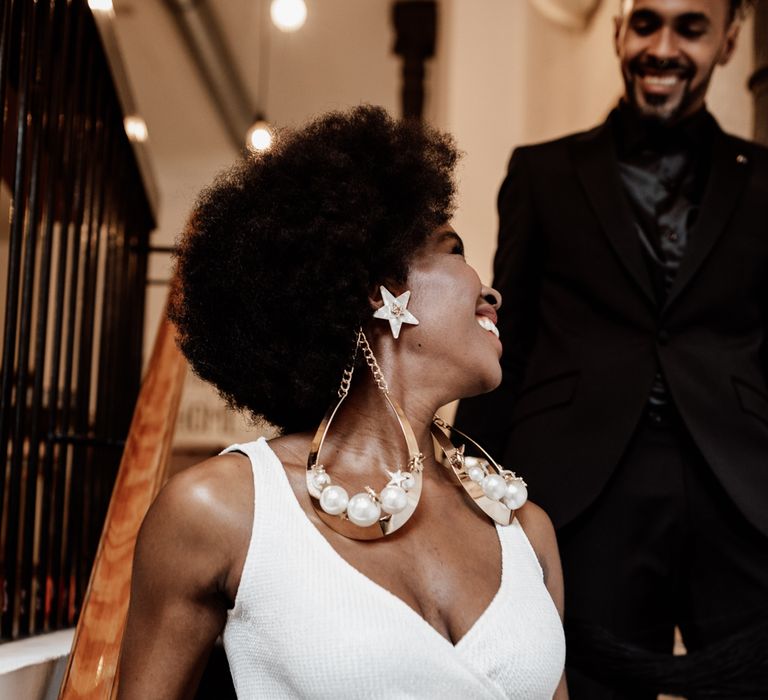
(457, 318)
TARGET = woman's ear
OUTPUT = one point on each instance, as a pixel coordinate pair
(374, 298)
(376, 295)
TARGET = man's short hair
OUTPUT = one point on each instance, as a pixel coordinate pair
(736, 8)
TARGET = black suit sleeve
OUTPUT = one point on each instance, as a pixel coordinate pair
(517, 271)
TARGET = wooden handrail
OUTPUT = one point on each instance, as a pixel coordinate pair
(92, 667)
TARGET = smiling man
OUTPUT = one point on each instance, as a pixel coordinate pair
(668, 51)
(633, 262)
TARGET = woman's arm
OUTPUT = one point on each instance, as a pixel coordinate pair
(186, 568)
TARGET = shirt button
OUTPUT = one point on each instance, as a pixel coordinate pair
(669, 233)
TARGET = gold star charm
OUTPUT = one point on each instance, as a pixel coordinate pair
(396, 478)
(395, 311)
(457, 458)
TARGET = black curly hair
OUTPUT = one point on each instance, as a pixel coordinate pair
(281, 253)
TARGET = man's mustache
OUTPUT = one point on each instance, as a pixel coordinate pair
(664, 65)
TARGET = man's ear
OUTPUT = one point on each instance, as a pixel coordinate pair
(729, 45)
(617, 22)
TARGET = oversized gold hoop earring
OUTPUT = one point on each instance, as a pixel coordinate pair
(496, 491)
(369, 514)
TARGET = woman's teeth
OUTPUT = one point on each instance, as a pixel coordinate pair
(486, 324)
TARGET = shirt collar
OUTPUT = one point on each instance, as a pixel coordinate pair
(634, 134)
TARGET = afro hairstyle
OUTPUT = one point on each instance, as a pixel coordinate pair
(281, 253)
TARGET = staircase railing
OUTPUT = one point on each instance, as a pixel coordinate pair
(92, 667)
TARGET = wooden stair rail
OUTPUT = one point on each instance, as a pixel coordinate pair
(92, 667)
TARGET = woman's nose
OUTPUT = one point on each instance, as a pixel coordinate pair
(491, 296)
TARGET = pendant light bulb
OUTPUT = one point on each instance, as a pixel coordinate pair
(101, 6)
(135, 128)
(288, 15)
(259, 137)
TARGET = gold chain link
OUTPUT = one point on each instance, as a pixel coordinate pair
(346, 377)
(378, 377)
(362, 342)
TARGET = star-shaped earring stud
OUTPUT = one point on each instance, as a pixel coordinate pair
(395, 311)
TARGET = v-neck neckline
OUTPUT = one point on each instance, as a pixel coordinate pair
(385, 592)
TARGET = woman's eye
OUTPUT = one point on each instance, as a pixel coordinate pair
(458, 249)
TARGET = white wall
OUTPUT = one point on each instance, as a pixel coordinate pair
(32, 669)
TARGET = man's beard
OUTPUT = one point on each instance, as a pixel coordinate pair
(663, 108)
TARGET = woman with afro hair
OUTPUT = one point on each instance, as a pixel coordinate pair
(321, 288)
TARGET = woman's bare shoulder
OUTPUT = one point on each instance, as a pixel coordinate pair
(209, 493)
(203, 514)
(540, 533)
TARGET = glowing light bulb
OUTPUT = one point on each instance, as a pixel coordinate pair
(288, 15)
(136, 128)
(100, 5)
(259, 137)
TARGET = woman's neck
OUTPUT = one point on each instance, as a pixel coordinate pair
(365, 435)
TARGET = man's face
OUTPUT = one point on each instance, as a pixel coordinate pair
(668, 49)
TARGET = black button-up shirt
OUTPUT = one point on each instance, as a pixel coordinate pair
(664, 170)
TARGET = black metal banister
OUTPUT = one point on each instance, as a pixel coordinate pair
(77, 241)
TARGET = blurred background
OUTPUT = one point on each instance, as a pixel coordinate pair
(501, 73)
(115, 114)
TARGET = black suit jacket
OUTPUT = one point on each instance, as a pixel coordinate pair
(583, 333)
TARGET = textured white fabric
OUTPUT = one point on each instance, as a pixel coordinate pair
(307, 624)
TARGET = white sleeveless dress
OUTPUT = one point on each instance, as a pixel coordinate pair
(307, 624)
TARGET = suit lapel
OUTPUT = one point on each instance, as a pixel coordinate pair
(728, 176)
(595, 159)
